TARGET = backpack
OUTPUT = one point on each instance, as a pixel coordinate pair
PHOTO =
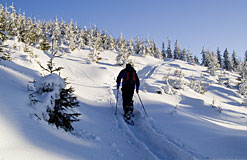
(130, 77)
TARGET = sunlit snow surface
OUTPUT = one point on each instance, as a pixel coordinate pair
(180, 125)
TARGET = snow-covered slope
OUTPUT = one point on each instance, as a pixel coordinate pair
(180, 125)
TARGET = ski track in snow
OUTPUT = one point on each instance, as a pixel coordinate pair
(146, 136)
(147, 71)
(149, 140)
(121, 125)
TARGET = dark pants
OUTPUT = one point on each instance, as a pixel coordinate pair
(127, 94)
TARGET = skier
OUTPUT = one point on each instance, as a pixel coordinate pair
(130, 80)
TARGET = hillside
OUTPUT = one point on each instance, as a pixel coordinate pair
(181, 123)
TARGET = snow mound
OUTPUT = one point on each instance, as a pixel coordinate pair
(44, 92)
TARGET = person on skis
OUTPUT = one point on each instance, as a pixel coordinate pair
(130, 82)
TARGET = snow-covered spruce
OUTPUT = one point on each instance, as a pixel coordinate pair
(53, 102)
(213, 64)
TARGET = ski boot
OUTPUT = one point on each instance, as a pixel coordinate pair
(128, 115)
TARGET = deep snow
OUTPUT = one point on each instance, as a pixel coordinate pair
(180, 125)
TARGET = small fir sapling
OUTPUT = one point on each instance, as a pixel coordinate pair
(178, 81)
(201, 87)
(53, 102)
(168, 89)
(174, 110)
(192, 82)
(29, 52)
(228, 81)
(144, 89)
(57, 101)
(220, 78)
(213, 105)
(198, 85)
(5, 55)
(51, 68)
(224, 78)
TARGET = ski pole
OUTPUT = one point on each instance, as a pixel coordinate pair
(116, 104)
(142, 104)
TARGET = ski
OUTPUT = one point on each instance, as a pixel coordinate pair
(129, 122)
(128, 119)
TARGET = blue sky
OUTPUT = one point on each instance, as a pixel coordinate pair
(194, 23)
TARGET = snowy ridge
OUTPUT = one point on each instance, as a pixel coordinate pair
(181, 125)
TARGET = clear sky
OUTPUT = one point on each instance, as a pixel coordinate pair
(194, 23)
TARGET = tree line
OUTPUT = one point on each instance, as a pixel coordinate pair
(64, 37)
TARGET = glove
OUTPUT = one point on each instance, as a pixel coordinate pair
(137, 91)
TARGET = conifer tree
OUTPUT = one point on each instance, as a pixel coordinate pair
(183, 55)
(196, 60)
(51, 68)
(21, 23)
(203, 53)
(96, 33)
(94, 56)
(12, 28)
(157, 53)
(58, 102)
(213, 64)
(3, 54)
(104, 40)
(130, 47)
(177, 50)
(122, 51)
(3, 22)
(3, 37)
(44, 44)
(163, 51)
(111, 43)
(86, 36)
(245, 57)
(219, 58)
(207, 58)
(90, 37)
(138, 45)
(148, 48)
(71, 36)
(243, 86)
(81, 41)
(235, 61)
(7, 21)
(189, 57)
(243, 79)
(60, 114)
(169, 51)
(227, 61)
(143, 49)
